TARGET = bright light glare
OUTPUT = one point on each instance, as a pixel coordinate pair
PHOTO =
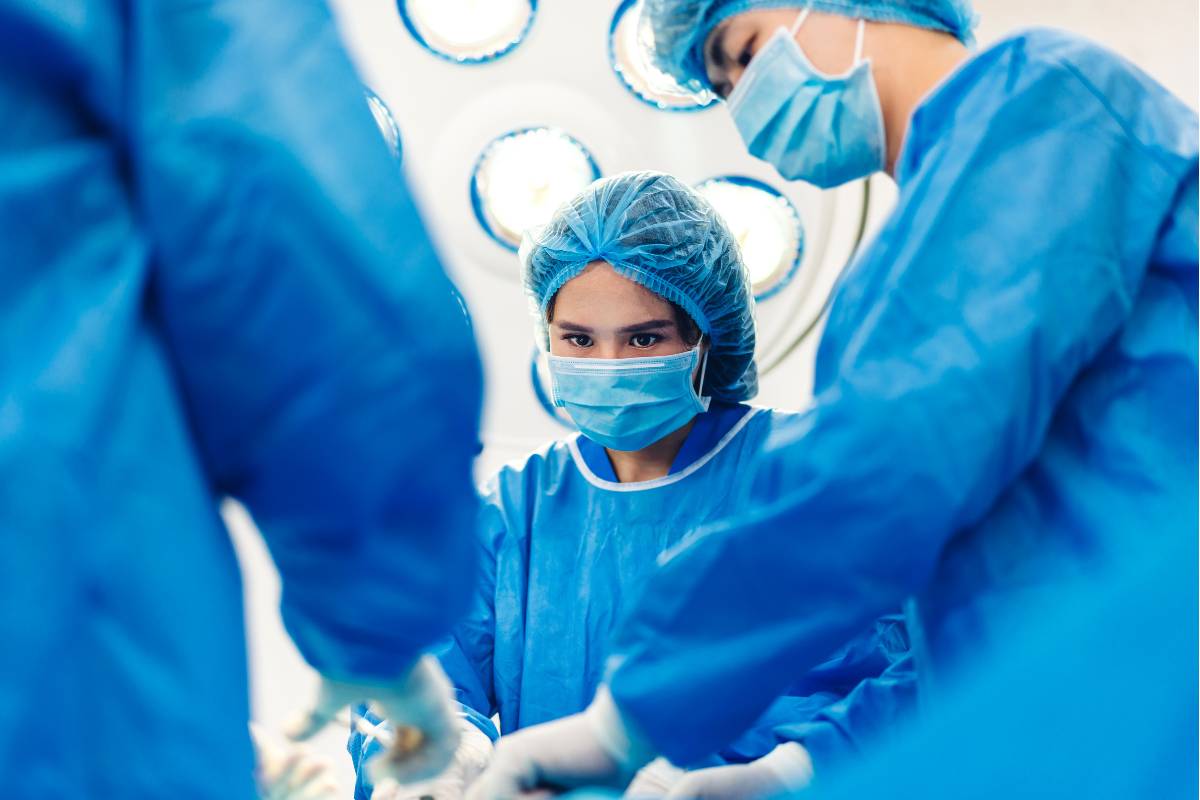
(385, 121)
(766, 226)
(632, 44)
(523, 177)
(469, 28)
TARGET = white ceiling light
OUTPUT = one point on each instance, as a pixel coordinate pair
(767, 227)
(468, 31)
(629, 52)
(523, 176)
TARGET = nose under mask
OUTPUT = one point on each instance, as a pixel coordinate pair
(629, 403)
(826, 130)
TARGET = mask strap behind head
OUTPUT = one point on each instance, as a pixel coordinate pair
(703, 371)
(858, 44)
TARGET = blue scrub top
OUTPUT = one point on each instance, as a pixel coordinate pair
(566, 551)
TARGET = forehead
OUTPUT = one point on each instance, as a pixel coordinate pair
(599, 294)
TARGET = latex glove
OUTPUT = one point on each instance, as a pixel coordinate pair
(474, 753)
(421, 709)
(787, 768)
(290, 772)
(595, 748)
(654, 780)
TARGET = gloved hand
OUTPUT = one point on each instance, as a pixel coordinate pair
(595, 748)
(290, 772)
(474, 753)
(787, 768)
(654, 780)
(421, 708)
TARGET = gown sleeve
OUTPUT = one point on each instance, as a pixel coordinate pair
(865, 716)
(1014, 255)
(329, 373)
(855, 698)
(468, 655)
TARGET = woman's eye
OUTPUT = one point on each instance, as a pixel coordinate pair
(644, 340)
(747, 54)
(579, 339)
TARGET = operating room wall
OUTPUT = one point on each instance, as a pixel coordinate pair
(560, 76)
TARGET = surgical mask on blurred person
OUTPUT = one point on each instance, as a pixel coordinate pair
(826, 130)
(629, 403)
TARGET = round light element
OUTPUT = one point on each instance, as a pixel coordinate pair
(523, 176)
(468, 31)
(386, 122)
(629, 48)
(767, 227)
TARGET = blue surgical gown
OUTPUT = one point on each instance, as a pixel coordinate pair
(1096, 698)
(567, 549)
(213, 282)
(1005, 397)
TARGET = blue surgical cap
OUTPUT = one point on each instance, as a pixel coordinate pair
(679, 28)
(658, 232)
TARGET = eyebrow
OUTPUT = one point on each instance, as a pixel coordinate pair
(648, 325)
(571, 326)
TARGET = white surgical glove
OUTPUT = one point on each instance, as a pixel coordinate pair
(421, 708)
(595, 748)
(287, 771)
(787, 768)
(654, 780)
(474, 753)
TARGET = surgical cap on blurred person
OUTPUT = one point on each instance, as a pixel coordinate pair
(658, 232)
(675, 31)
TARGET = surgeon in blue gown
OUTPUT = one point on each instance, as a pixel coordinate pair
(214, 282)
(1006, 388)
(644, 306)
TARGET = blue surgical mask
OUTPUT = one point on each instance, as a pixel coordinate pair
(628, 403)
(813, 127)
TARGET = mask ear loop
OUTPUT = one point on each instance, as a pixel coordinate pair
(800, 18)
(704, 400)
(858, 41)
